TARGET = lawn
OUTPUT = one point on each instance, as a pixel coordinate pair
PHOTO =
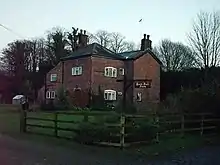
(9, 124)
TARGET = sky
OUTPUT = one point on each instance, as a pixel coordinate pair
(161, 19)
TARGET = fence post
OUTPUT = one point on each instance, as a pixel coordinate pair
(55, 124)
(202, 124)
(182, 125)
(23, 116)
(122, 137)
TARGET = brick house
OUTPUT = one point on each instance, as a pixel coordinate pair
(92, 68)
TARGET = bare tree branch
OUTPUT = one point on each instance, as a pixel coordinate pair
(205, 39)
(174, 56)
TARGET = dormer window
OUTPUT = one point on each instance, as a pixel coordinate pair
(53, 77)
(76, 71)
(110, 72)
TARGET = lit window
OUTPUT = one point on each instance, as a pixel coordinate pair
(77, 71)
(110, 72)
(110, 95)
(53, 77)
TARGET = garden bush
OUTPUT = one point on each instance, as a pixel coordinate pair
(89, 133)
(138, 130)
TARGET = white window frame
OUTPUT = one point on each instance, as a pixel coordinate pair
(110, 72)
(48, 95)
(76, 71)
(110, 94)
(52, 94)
(53, 76)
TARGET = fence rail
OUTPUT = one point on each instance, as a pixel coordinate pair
(160, 120)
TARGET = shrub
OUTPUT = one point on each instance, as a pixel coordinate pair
(138, 130)
(130, 108)
(47, 106)
(142, 130)
(89, 133)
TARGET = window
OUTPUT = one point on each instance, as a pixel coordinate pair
(50, 94)
(110, 95)
(53, 77)
(121, 71)
(76, 71)
(110, 72)
(139, 97)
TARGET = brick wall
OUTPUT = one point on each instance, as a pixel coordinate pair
(146, 67)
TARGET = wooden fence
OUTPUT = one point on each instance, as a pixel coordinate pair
(172, 123)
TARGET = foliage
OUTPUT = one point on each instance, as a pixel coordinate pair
(95, 132)
(175, 56)
(113, 41)
(62, 100)
(47, 106)
(204, 39)
(129, 109)
(138, 130)
(205, 99)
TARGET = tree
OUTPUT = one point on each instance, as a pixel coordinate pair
(205, 39)
(113, 41)
(56, 45)
(175, 56)
(102, 37)
(72, 38)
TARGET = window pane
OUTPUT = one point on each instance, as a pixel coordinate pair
(106, 71)
(106, 96)
(109, 96)
(110, 72)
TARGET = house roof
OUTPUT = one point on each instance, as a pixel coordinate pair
(93, 49)
(133, 55)
(98, 50)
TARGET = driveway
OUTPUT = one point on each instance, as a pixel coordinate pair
(21, 152)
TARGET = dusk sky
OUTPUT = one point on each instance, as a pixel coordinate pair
(161, 18)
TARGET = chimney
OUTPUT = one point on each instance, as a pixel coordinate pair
(83, 38)
(146, 43)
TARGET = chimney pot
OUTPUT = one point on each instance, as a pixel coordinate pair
(81, 31)
(148, 37)
(144, 36)
(85, 32)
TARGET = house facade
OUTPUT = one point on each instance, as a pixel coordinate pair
(93, 68)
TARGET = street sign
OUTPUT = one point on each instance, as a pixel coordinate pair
(142, 84)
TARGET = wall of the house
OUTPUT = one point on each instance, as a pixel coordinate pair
(98, 78)
(146, 67)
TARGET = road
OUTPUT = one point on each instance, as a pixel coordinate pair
(22, 152)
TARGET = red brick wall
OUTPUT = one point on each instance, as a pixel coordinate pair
(82, 81)
(146, 67)
(98, 78)
(56, 70)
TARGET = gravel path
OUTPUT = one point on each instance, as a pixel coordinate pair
(18, 152)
